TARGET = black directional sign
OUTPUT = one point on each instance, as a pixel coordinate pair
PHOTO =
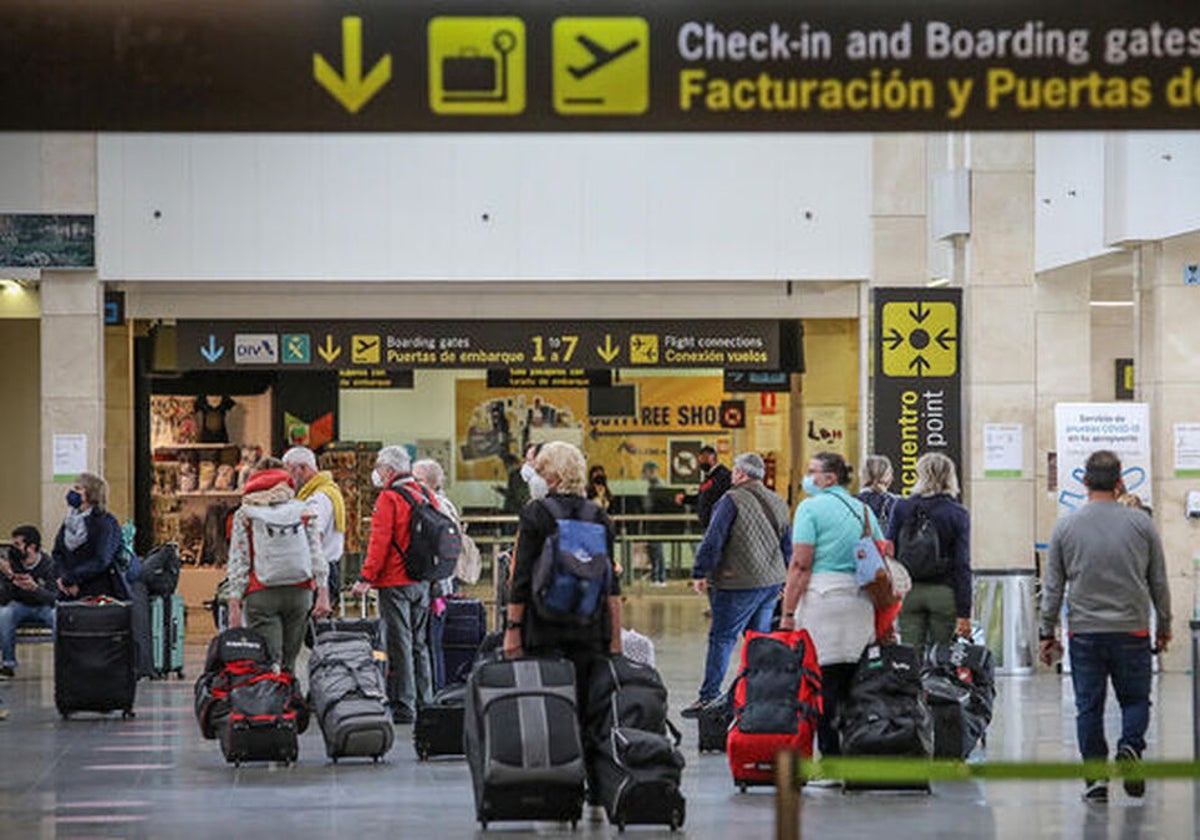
(917, 379)
(588, 65)
(535, 350)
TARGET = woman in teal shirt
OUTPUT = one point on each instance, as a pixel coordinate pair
(822, 594)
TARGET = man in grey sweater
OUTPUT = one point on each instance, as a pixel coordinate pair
(744, 557)
(1112, 558)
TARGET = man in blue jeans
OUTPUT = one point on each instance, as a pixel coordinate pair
(1112, 559)
(27, 591)
(744, 558)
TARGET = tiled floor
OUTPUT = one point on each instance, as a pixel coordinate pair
(154, 777)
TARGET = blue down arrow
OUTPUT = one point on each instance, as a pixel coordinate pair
(212, 352)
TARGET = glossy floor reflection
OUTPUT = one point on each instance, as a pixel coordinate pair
(154, 777)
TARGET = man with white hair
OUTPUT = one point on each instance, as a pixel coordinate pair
(318, 488)
(404, 602)
(744, 558)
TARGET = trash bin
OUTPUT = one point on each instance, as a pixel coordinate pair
(1004, 610)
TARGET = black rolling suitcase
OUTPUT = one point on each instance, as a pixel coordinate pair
(348, 696)
(886, 713)
(264, 720)
(94, 658)
(439, 726)
(464, 624)
(633, 763)
(714, 721)
(522, 741)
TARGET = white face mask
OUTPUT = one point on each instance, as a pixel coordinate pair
(377, 477)
(538, 489)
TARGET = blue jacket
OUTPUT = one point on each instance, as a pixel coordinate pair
(953, 523)
(91, 566)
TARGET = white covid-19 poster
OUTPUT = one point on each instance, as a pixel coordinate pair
(1083, 428)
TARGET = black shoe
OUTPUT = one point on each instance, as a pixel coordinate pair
(694, 710)
(1127, 758)
(7, 673)
(1096, 792)
(402, 717)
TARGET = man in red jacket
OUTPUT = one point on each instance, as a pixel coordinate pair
(403, 602)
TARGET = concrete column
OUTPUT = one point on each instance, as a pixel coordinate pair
(1000, 335)
(1168, 378)
(72, 338)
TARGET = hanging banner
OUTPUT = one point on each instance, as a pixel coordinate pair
(917, 379)
(1083, 428)
(621, 65)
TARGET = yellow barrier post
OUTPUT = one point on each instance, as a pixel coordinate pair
(787, 796)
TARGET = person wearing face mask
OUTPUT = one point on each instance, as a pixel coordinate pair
(538, 489)
(403, 602)
(716, 479)
(821, 582)
(27, 590)
(86, 547)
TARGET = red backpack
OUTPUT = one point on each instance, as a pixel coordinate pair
(776, 704)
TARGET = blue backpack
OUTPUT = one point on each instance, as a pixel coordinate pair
(571, 576)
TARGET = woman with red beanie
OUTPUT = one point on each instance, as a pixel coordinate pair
(275, 563)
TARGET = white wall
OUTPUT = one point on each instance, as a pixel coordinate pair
(412, 207)
(1098, 190)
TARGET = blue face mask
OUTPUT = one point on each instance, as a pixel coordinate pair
(74, 499)
(810, 485)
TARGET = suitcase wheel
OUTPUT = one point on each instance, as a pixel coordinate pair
(422, 755)
(127, 714)
(335, 758)
(483, 824)
(573, 824)
(742, 787)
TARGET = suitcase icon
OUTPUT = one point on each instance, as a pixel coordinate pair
(471, 77)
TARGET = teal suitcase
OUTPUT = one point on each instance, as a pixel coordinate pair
(167, 630)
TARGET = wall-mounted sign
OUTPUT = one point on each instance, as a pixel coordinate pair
(1003, 448)
(918, 379)
(501, 345)
(699, 65)
(1123, 389)
(35, 240)
(549, 378)
(114, 309)
(1083, 428)
(757, 380)
(374, 378)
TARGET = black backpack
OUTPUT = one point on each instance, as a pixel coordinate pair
(160, 569)
(919, 548)
(434, 540)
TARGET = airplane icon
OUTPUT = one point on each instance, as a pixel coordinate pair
(601, 55)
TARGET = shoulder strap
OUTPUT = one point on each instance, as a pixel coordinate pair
(553, 507)
(767, 512)
(853, 512)
(404, 494)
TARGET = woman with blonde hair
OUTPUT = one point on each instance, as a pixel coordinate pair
(939, 605)
(876, 481)
(88, 543)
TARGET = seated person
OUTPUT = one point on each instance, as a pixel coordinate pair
(27, 591)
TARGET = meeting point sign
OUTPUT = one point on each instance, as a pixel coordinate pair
(917, 377)
(586, 65)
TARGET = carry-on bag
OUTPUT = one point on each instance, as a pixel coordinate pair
(94, 658)
(714, 721)
(264, 719)
(776, 704)
(522, 741)
(168, 626)
(463, 626)
(634, 765)
(886, 713)
(959, 681)
(438, 729)
(347, 695)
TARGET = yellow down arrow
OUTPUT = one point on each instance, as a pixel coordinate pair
(330, 351)
(608, 352)
(350, 88)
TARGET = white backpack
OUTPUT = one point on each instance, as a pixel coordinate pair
(279, 547)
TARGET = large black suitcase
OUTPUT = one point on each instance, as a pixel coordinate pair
(633, 763)
(886, 713)
(522, 741)
(439, 726)
(348, 696)
(94, 659)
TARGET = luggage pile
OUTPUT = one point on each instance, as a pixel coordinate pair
(255, 712)
(348, 696)
(960, 681)
(635, 766)
(776, 704)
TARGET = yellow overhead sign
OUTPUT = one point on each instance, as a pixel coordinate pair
(601, 65)
(477, 65)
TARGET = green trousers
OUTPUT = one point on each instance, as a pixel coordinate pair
(928, 615)
(280, 613)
